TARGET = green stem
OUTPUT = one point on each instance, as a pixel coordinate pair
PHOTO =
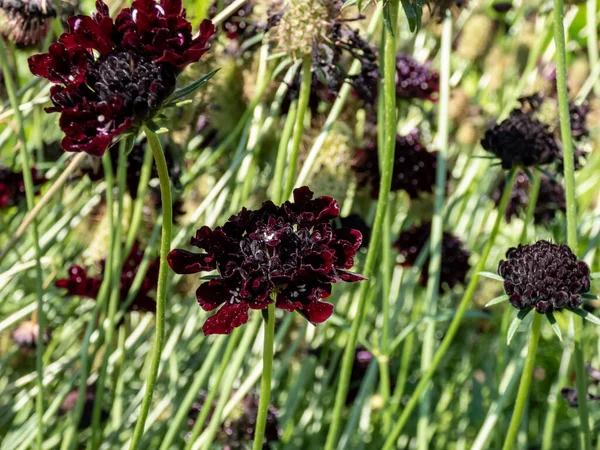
(163, 274)
(569, 176)
(387, 164)
(265, 383)
(282, 152)
(455, 325)
(117, 265)
(523, 393)
(592, 36)
(299, 126)
(437, 229)
(534, 191)
(29, 195)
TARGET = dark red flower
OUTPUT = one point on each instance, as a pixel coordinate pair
(455, 259)
(81, 284)
(290, 250)
(414, 167)
(415, 80)
(113, 75)
(12, 186)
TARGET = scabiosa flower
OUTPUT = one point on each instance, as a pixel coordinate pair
(544, 276)
(25, 22)
(415, 80)
(414, 167)
(80, 283)
(570, 394)
(111, 76)
(291, 252)
(455, 259)
(237, 432)
(358, 223)
(70, 401)
(12, 186)
(551, 198)
(26, 335)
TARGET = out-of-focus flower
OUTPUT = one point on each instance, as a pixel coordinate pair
(441, 6)
(414, 80)
(544, 276)
(476, 37)
(111, 76)
(27, 334)
(238, 24)
(26, 22)
(237, 432)
(455, 259)
(290, 251)
(414, 167)
(570, 394)
(70, 401)
(80, 283)
(358, 223)
(12, 186)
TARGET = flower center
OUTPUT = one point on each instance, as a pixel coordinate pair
(139, 82)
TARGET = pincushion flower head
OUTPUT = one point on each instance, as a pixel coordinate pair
(289, 254)
(415, 80)
(113, 75)
(544, 277)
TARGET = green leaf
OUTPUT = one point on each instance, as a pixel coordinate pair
(590, 296)
(497, 300)
(586, 315)
(349, 3)
(413, 9)
(514, 326)
(189, 89)
(386, 18)
(491, 275)
(529, 176)
(554, 326)
(595, 276)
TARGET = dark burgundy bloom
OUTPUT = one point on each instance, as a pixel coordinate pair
(358, 223)
(414, 167)
(113, 75)
(455, 259)
(551, 198)
(237, 433)
(12, 186)
(570, 395)
(81, 284)
(70, 401)
(415, 80)
(291, 251)
(25, 22)
(544, 276)
(27, 334)
(502, 7)
(238, 24)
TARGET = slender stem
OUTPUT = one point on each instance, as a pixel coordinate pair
(523, 393)
(115, 294)
(265, 383)
(282, 153)
(387, 164)
(534, 191)
(569, 176)
(29, 194)
(592, 35)
(299, 126)
(455, 324)
(437, 228)
(163, 274)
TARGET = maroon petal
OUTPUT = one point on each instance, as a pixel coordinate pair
(318, 312)
(184, 262)
(350, 276)
(212, 294)
(226, 319)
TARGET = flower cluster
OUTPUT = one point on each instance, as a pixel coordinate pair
(238, 431)
(113, 75)
(290, 251)
(12, 186)
(26, 22)
(414, 167)
(81, 284)
(414, 80)
(551, 198)
(544, 276)
(455, 259)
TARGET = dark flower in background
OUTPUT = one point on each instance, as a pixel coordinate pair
(26, 22)
(238, 24)
(12, 186)
(237, 432)
(358, 223)
(544, 276)
(81, 284)
(70, 401)
(414, 80)
(570, 394)
(441, 6)
(414, 167)
(112, 76)
(455, 259)
(291, 251)
(551, 198)
(27, 334)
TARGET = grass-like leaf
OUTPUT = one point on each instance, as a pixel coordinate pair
(497, 300)
(586, 315)
(595, 276)
(590, 296)
(189, 89)
(514, 325)
(554, 325)
(492, 275)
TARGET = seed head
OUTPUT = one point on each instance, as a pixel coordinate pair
(301, 23)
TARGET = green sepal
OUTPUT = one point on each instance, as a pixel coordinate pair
(514, 325)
